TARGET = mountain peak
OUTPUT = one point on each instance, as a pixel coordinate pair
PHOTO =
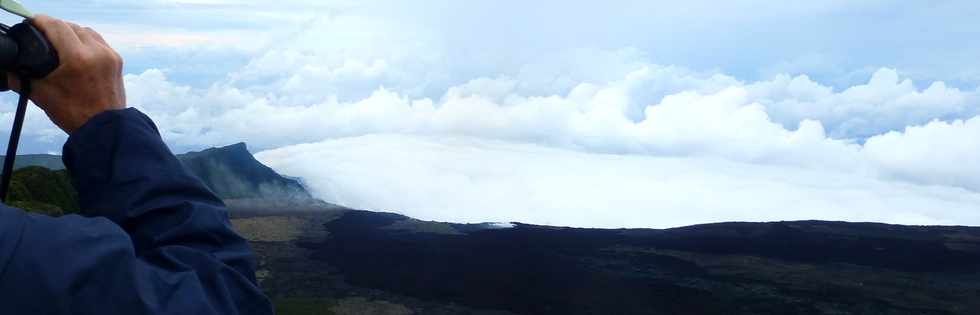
(241, 146)
(237, 149)
(232, 173)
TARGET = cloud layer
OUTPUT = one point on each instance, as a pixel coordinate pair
(622, 114)
(474, 180)
(886, 149)
(702, 116)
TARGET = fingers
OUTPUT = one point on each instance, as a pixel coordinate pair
(91, 39)
(90, 33)
(79, 32)
(97, 36)
(74, 42)
(60, 34)
(87, 35)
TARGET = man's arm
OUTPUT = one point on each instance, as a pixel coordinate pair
(154, 239)
(158, 242)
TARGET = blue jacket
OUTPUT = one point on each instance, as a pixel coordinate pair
(153, 238)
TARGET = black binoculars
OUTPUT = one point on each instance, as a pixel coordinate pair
(25, 52)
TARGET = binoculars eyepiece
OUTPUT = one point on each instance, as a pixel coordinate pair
(24, 51)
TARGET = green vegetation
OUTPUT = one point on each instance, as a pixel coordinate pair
(40, 190)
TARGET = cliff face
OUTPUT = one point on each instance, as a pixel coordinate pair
(233, 173)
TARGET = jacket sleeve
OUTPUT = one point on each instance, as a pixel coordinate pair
(154, 239)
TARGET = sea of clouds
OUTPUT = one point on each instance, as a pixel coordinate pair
(415, 116)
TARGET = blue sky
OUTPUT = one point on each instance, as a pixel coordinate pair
(881, 93)
(836, 41)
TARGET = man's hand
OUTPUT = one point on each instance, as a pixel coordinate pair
(88, 81)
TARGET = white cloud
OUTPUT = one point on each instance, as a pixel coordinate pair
(939, 153)
(887, 102)
(485, 152)
(472, 180)
(711, 116)
(593, 88)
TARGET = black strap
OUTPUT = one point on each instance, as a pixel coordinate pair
(8, 161)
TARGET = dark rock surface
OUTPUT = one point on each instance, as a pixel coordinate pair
(808, 267)
(318, 258)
